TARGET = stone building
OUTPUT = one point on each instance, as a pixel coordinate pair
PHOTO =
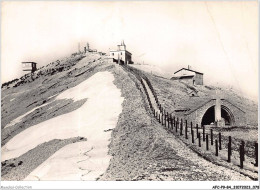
(29, 66)
(189, 76)
(121, 55)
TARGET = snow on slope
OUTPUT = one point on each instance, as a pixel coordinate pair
(92, 120)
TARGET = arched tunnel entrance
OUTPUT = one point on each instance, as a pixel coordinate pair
(209, 116)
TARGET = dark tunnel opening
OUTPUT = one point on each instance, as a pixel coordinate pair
(209, 116)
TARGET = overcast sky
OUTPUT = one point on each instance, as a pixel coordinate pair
(219, 39)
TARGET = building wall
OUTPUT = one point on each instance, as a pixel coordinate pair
(198, 79)
(29, 67)
(197, 115)
(123, 55)
(128, 58)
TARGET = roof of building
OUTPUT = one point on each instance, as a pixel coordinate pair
(29, 62)
(182, 77)
(188, 70)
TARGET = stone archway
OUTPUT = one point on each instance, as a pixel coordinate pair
(227, 115)
(209, 116)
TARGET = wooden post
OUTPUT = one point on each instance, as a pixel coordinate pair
(186, 123)
(229, 149)
(216, 145)
(181, 127)
(199, 140)
(168, 123)
(241, 156)
(159, 118)
(186, 131)
(219, 138)
(207, 142)
(192, 136)
(191, 126)
(162, 118)
(165, 119)
(197, 128)
(229, 141)
(203, 133)
(177, 123)
(211, 136)
(171, 123)
(243, 147)
(256, 154)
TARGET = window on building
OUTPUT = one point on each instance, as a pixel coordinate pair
(112, 54)
(121, 53)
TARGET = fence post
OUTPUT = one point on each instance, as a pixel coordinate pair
(199, 140)
(219, 138)
(168, 118)
(171, 122)
(191, 126)
(159, 118)
(168, 121)
(229, 149)
(256, 154)
(165, 120)
(186, 131)
(197, 128)
(243, 147)
(207, 142)
(203, 133)
(229, 140)
(211, 136)
(186, 123)
(216, 145)
(241, 155)
(181, 127)
(174, 121)
(162, 119)
(192, 136)
(177, 123)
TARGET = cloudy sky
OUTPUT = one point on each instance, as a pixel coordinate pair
(217, 38)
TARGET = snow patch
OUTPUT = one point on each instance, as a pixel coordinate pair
(99, 113)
